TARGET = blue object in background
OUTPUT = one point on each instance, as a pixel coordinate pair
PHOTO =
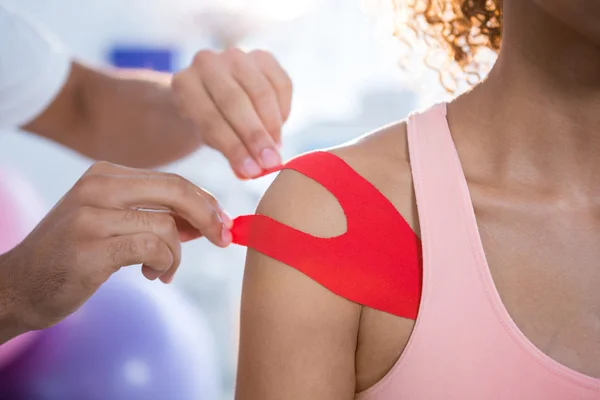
(158, 59)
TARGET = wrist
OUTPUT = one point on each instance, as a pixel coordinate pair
(11, 314)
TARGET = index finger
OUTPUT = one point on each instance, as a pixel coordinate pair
(279, 79)
(159, 191)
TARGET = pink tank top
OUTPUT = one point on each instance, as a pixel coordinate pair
(464, 344)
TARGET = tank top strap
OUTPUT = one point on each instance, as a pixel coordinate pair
(442, 201)
(436, 170)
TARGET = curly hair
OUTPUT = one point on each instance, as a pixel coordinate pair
(460, 28)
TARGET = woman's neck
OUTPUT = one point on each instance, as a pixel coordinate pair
(536, 118)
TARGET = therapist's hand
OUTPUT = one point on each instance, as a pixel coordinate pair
(239, 102)
(233, 101)
(96, 229)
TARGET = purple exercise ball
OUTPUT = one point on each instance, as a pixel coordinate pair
(132, 340)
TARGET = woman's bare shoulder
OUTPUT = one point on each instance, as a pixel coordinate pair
(381, 157)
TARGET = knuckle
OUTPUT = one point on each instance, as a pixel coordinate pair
(235, 54)
(202, 58)
(99, 166)
(127, 245)
(165, 223)
(130, 215)
(285, 84)
(86, 185)
(261, 55)
(149, 244)
(83, 217)
(86, 181)
(146, 220)
(171, 176)
(179, 185)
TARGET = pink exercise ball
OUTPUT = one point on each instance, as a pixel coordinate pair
(20, 211)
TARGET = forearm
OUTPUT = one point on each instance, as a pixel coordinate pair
(10, 323)
(101, 113)
(121, 103)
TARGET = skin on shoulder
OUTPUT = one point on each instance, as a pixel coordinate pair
(298, 339)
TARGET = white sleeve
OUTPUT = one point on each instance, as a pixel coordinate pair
(33, 68)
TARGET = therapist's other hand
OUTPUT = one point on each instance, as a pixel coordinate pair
(98, 227)
(239, 102)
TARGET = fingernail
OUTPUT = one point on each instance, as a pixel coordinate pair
(269, 158)
(226, 218)
(250, 168)
(225, 235)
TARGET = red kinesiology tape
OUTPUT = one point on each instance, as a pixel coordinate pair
(376, 262)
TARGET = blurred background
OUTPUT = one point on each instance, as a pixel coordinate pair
(344, 65)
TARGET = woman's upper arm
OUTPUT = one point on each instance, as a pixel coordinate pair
(298, 340)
